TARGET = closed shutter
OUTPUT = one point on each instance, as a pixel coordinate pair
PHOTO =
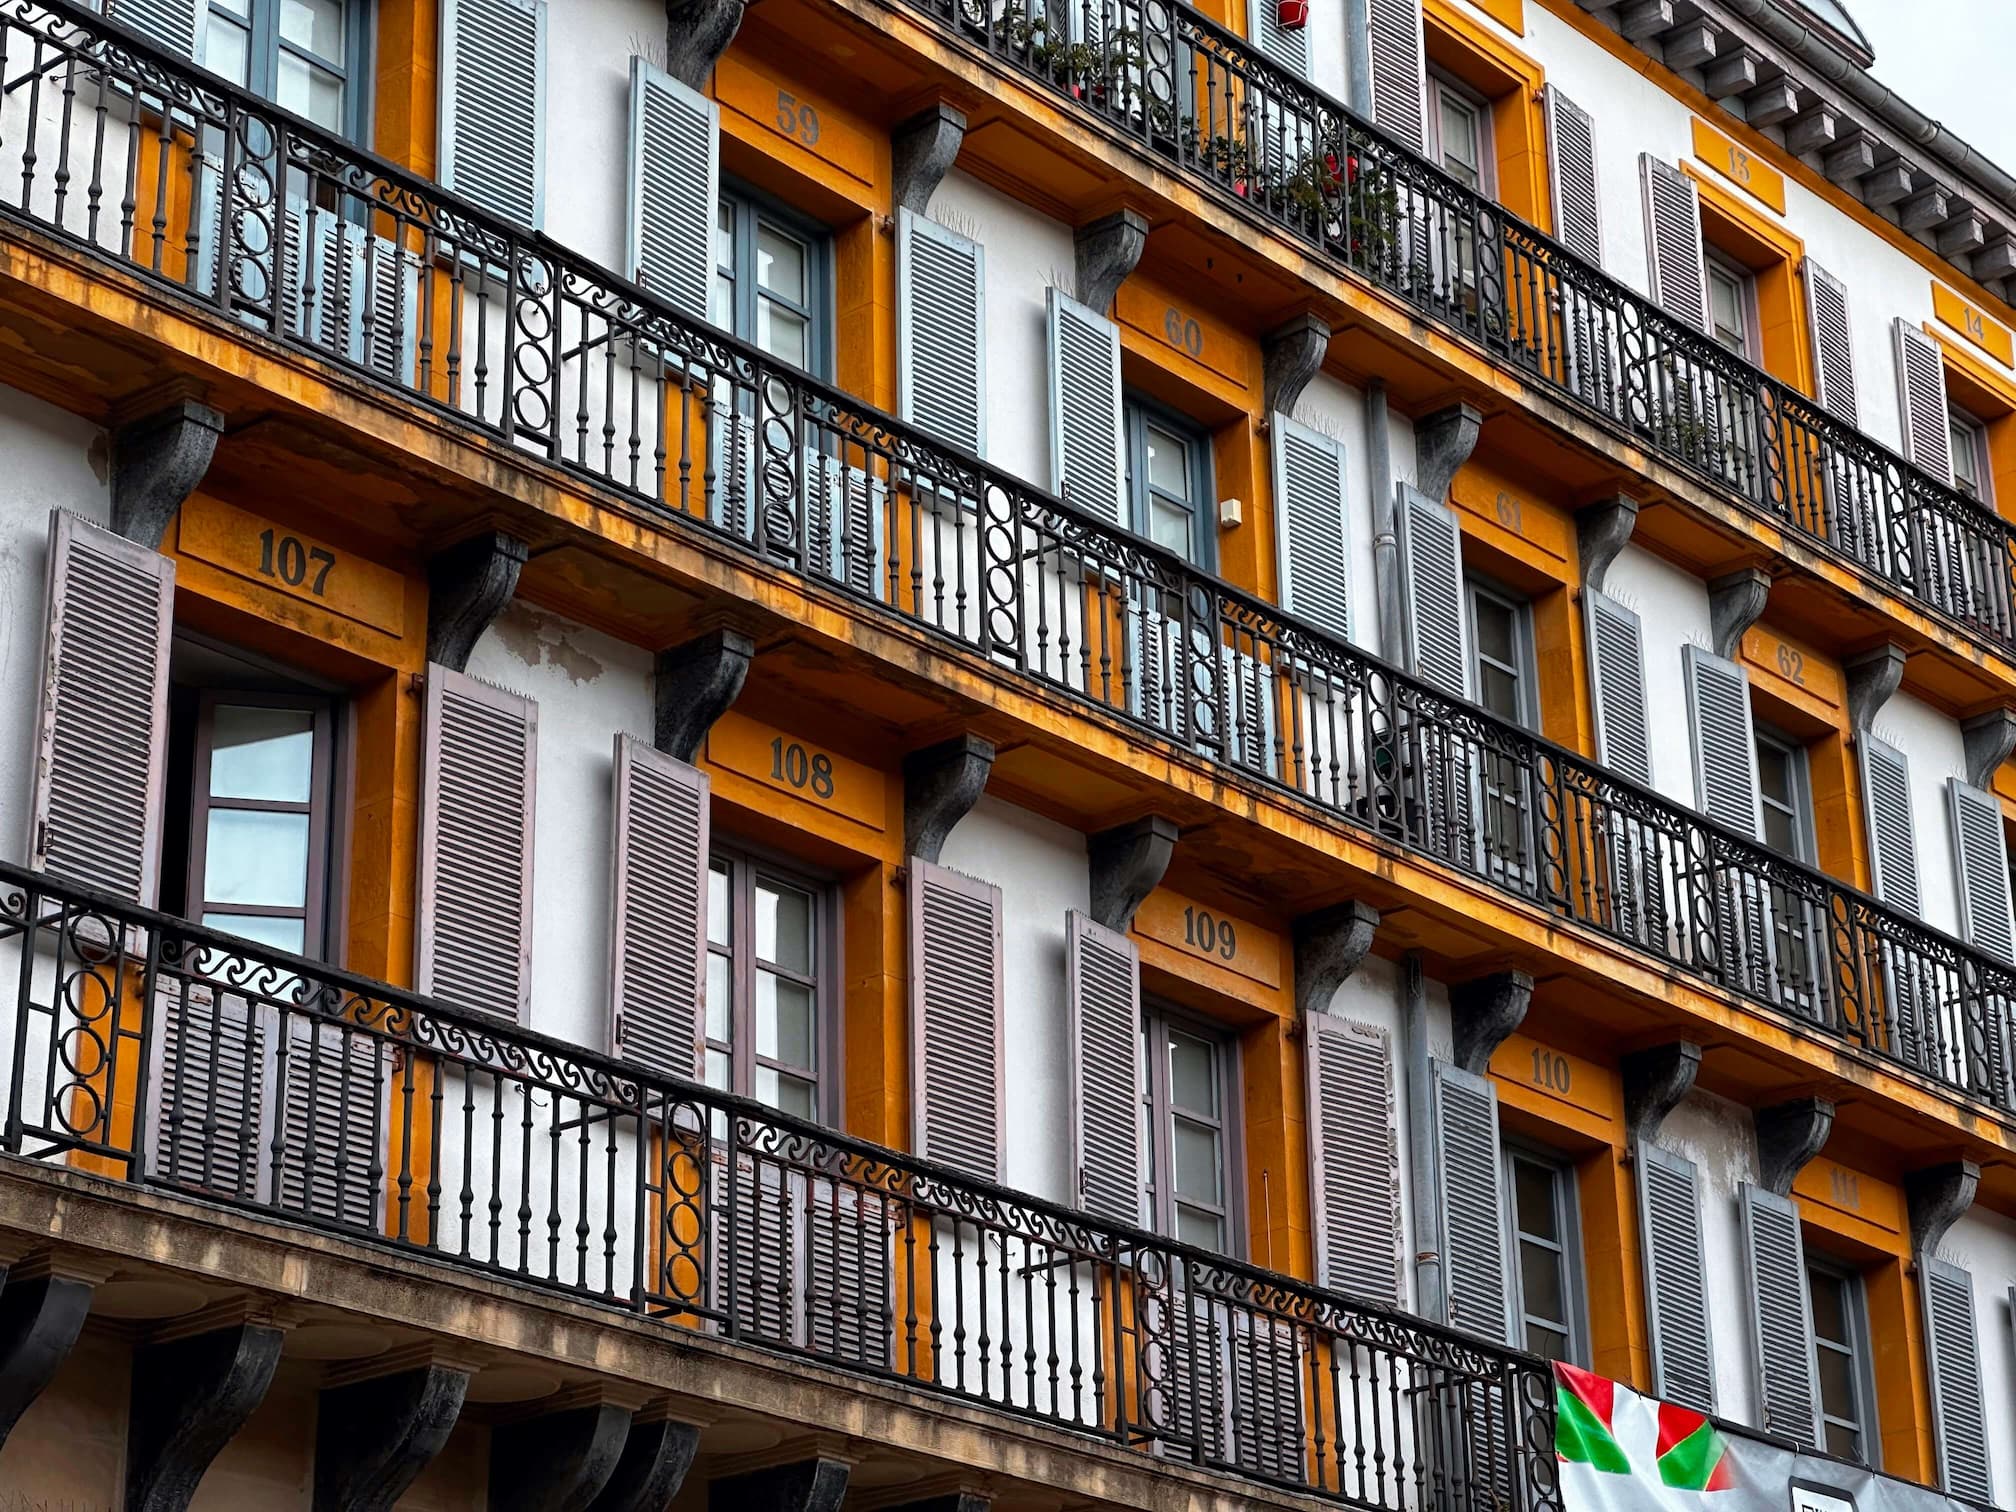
(1431, 550)
(1473, 1205)
(1953, 1352)
(1921, 394)
(762, 1220)
(211, 1099)
(1187, 1378)
(1571, 154)
(493, 105)
(955, 1019)
(170, 24)
(476, 791)
(1886, 807)
(1354, 1158)
(334, 1093)
(1781, 1335)
(1833, 353)
(1725, 741)
(1314, 534)
(658, 911)
(1617, 686)
(1288, 46)
(99, 756)
(1398, 80)
(1981, 860)
(941, 333)
(675, 179)
(1676, 1288)
(1679, 277)
(1085, 461)
(849, 1286)
(1267, 1431)
(1102, 971)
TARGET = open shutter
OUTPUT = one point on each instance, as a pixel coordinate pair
(1431, 549)
(1679, 276)
(1102, 972)
(99, 755)
(493, 105)
(1833, 354)
(1617, 686)
(955, 1019)
(1354, 1157)
(658, 911)
(1571, 154)
(172, 24)
(1314, 534)
(1676, 1287)
(1781, 1335)
(334, 1098)
(476, 790)
(1981, 860)
(675, 179)
(1953, 1360)
(1473, 1204)
(1886, 807)
(1921, 394)
(1725, 741)
(941, 332)
(1399, 83)
(1085, 447)
(1288, 46)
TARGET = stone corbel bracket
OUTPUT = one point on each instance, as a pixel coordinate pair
(1602, 530)
(1789, 1135)
(1736, 601)
(692, 686)
(1107, 250)
(1330, 945)
(940, 786)
(1128, 863)
(1291, 356)
(1443, 442)
(1656, 1081)
(697, 32)
(922, 151)
(1484, 1013)
(468, 586)
(157, 462)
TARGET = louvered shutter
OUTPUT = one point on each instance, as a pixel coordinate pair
(849, 1284)
(476, 791)
(1781, 1331)
(764, 1246)
(955, 1019)
(941, 335)
(1399, 83)
(1314, 534)
(212, 1062)
(1473, 1205)
(1886, 808)
(1288, 46)
(1085, 447)
(1679, 276)
(1833, 354)
(1725, 741)
(493, 105)
(1102, 971)
(1267, 1429)
(1981, 861)
(171, 24)
(334, 1097)
(1953, 1351)
(658, 911)
(1431, 549)
(1921, 394)
(1617, 686)
(1676, 1288)
(99, 756)
(1354, 1157)
(675, 178)
(1188, 1380)
(1571, 154)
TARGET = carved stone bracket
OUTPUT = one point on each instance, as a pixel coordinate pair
(558, 1462)
(941, 784)
(1601, 531)
(1735, 602)
(1107, 251)
(922, 151)
(468, 586)
(1788, 1136)
(1936, 1197)
(40, 1318)
(157, 461)
(1443, 442)
(656, 1457)
(1484, 1012)
(191, 1395)
(693, 685)
(1655, 1082)
(810, 1485)
(697, 32)
(1330, 945)
(1128, 863)
(1988, 738)
(374, 1437)
(1290, 357)
(1872, 678)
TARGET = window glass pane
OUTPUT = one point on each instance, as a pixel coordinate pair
(787, 1094)
(717, 905)
(1193, 1073)
(720, 1010)
(310, 91)
(1843, 1443)
(240, 8)
(262, 754)
(1829, 1321)
(1533, 1187)
(1462, 150)
(1497, 629)
(1195, 1153)
(1498, 690)
(781, 333)
(783, 1020)
(781, 264)
(1542, 1281)
(784, 927)
(1837, 1382)
(314, 24)
(1168, 525)
(721, 297)
(227, 49)
(255, 857)
(280, 934)
(1548, 1343)
(1774, 772)
(1205, 1230)
(1168, 462)
(717, 1070)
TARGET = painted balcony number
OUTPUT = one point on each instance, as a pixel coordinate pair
(284, 558)
(1211, 935)
(791, 762)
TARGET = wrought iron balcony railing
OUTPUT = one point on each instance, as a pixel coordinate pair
(237, 206)
(156, 1052)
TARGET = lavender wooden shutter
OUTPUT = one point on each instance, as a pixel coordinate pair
(1679, 276)
(764, 1248)
(1953, 1352)
(1780, 1314)
(1676, 1290)
(1833, 351)
(941, 332)
(1571, 152)
(96, 804)
(1354, 1157)
(1399, 83)
(1267, 1368)
(955, 1019)
(175, 25)
(479, 751)
(1288, 46)
(658, 911)
(1102, 973)
(1921, 394)
(1312, 505)
(1473, 1203)
(849, 1286)
(211, 1103)
(335, 1090)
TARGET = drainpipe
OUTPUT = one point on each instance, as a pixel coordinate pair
(1430, 1300)
(1385, 523)
(1358, 57)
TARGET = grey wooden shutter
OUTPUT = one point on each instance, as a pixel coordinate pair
(1285, 45)
(1354, 1157)
(480, 747)
(658, 911)
(1473, 1204)
(849, 1284)
(171, 24)
(1399, 82)
(1886, 809)
(675, 184)
(1267, 1430)
(95, 809)
(941, 332)
(334, 1100)
(1725, 741)
(1676, 1287)
(1617, 686)
(1313, 525)
(1085, 446)
(1921, 394)
(762, 1219)
(1679, 276)
(1833, 352)
(493, 105)
(1781, 1332)
(1981, 862)
(1953, 1353)
(212, 1108)
(1102, 971)
(1571, 155)
(1438, 633)
(955, 1019)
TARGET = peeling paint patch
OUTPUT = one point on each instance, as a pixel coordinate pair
(99, 455)
(537, 639)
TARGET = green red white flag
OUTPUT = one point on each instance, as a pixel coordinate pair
(1621, 1452)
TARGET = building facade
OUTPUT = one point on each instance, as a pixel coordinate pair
(1065, 756)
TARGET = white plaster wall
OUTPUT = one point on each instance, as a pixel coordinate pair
(1718, 1136)
(1985, 1244)
(1672, 608)
(1934, 749)
(588, 49)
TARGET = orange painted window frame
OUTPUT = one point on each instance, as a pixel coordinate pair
(1461, 45)
(1988, 394)
(1744, 233)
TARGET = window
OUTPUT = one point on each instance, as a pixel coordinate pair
(1189, 1132)
(768, 975)
(1459, 127)
(1546, 1276)
(1169, 480)
(770, 280)
(1501, 640)
(1841, 1361)
(307, 56)
(1732, 305)
(1784, 796)
(1968, 438)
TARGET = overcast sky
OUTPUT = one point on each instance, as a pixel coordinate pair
(1953, 59)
